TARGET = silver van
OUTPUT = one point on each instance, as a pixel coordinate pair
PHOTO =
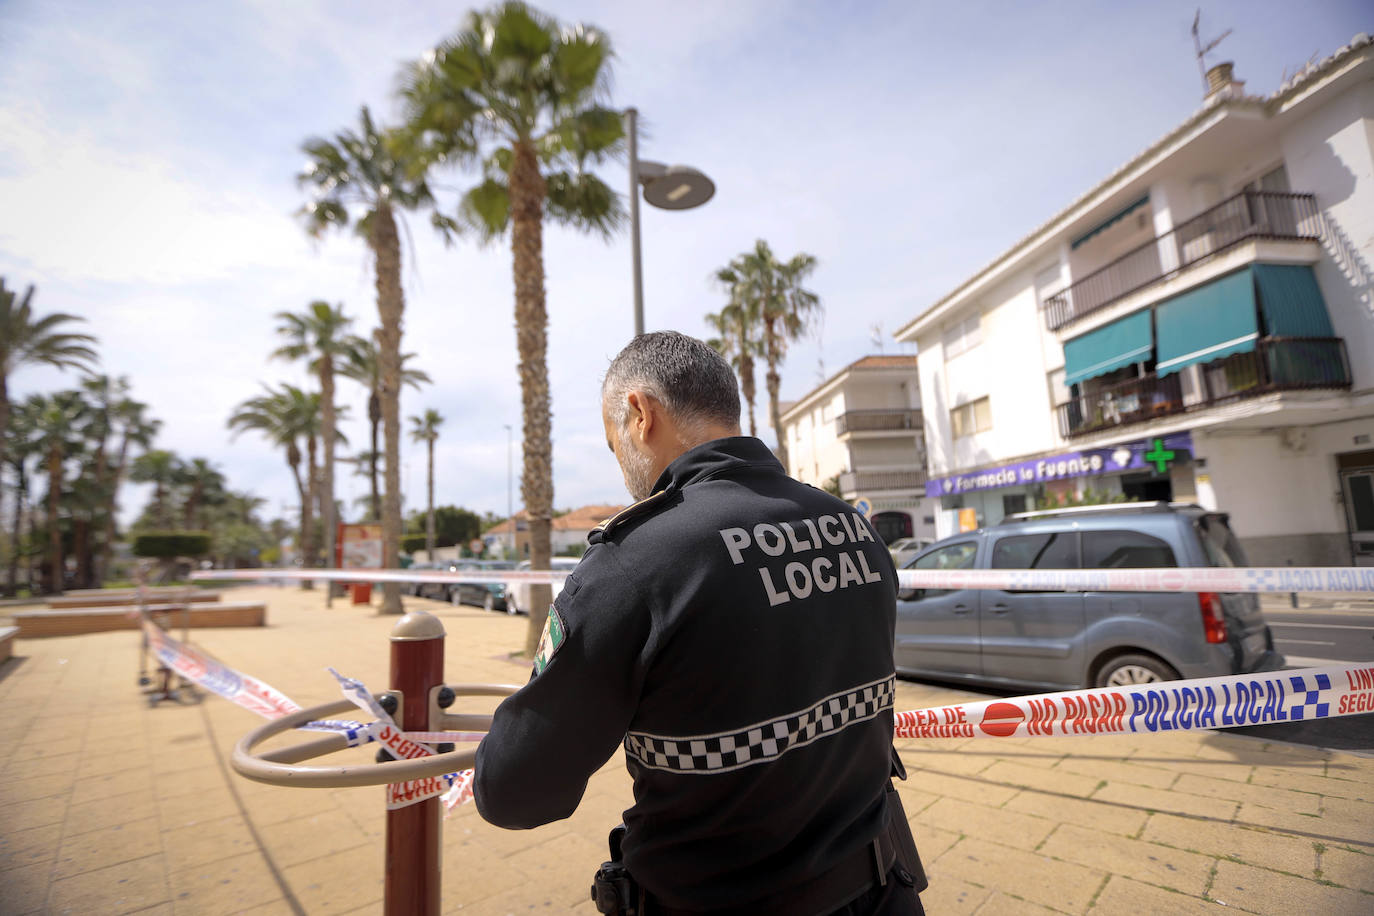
(1059, 640)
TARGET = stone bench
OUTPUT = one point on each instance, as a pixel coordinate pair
(127, 597)
(7, 635)
(72, 621)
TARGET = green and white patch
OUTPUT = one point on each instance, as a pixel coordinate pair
(555, 634)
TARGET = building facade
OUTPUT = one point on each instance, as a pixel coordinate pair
(1198, 327)
(861, 431)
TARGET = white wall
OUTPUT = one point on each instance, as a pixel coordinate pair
(1328, 153)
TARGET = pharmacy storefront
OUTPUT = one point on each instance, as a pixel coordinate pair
(1158, 468)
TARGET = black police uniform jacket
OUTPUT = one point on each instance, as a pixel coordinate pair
(735, 632)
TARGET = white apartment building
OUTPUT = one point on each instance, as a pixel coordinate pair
(1199, 326)
(863, 426)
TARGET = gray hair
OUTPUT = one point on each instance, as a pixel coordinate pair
(691, 380)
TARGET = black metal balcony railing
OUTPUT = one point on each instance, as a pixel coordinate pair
(1276, 364)
(1248, 215)
(858, 421)
(870, 481)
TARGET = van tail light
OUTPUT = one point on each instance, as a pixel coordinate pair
(1213, 620)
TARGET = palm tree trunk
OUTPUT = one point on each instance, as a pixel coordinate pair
(774, 382)
(309, 549)
(374, 417)
(429, 516)
(386, 247)
(54, 536)
(527, 192)
(102, 567)
(17, 530)
(327, 507)
(746, 371)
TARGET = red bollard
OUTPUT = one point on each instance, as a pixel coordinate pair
(413, 875)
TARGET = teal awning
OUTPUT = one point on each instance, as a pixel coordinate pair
(1123, 342)
(1291, 302)
(1110, 221)
(1206, 323)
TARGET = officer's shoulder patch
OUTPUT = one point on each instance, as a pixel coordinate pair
(555, 634)
(643, 507)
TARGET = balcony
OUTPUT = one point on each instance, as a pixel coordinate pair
(1248, 215)
(888, 420)
(1276, 364)
(852, 482)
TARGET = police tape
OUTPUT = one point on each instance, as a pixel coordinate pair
(1344, 579)
(199, 668)
(535, 577)
(1350, 579)
(1232, 701)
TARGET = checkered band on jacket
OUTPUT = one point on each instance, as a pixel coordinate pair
(763, 741)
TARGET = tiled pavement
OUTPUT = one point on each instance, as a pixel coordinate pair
(108, 805)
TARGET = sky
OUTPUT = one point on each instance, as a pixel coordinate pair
(148, 154)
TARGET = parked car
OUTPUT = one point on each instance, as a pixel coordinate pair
(904, 549)
(518, 593)
(417, 588)
(489, 595)
(1050, 639)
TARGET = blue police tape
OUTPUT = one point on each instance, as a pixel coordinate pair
(1298, 695)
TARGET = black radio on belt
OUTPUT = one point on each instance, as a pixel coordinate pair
(613, 890)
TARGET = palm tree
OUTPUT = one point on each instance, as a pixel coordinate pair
(426, 429)
(320, 337)
(362, 363)
(738, 342)
(205, 488)
(784, 309)
(56, 418)
(162, 469)
(135, 429)
(21, 444)
(369, 176)
(286, 417)
(27, 340)
(521, 91)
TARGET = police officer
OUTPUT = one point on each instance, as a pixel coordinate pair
(734, 630)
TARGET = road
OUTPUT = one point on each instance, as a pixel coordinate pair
(1342, 636)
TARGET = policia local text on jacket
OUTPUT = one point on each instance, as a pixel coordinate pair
(735, 631)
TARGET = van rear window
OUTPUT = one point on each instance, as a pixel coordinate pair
(1125, 550)
(1220, 543)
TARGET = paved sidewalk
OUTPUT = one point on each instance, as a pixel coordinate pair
(110, 806)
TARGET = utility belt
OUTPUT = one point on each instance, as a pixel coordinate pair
(891, 855)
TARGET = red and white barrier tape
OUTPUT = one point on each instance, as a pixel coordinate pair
(1297, 695)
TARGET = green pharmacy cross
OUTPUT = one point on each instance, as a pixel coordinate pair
(1159, 456)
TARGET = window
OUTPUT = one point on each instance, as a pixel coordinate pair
(963, 335)
(953, 556)
(1057, 550)
(970, 418)
(1013, 503)
(1125, 550)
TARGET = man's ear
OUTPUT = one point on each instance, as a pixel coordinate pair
(641, 419)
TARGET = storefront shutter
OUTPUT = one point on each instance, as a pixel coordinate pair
(1291, 301)
(1207, 323)
(1123, 342)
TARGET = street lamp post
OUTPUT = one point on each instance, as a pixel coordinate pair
(668, 187)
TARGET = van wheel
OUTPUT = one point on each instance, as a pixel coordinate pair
(510, 605)
(455, 597)
(1125, 670)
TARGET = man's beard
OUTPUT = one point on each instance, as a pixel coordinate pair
(638, 469)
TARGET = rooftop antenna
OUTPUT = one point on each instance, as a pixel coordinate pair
(1201, 51)
(877, 338)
